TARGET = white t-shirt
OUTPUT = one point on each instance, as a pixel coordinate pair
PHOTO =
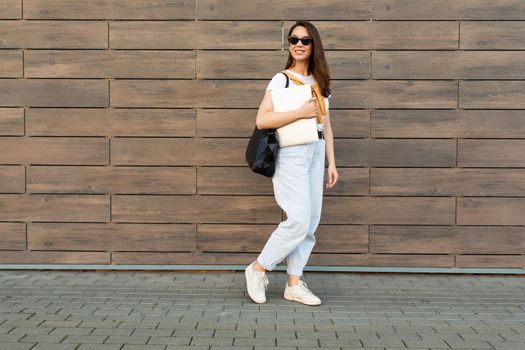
(279, 81)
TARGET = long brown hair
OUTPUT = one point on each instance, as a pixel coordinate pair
(317, 65)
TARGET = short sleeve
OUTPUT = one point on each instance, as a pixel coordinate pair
(278, 82)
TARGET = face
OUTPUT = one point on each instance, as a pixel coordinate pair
(300, 51)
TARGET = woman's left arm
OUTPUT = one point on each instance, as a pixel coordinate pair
(329, 143)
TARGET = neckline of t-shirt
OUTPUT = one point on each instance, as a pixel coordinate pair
(304, 76)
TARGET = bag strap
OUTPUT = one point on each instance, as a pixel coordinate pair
(287, 79)
(294, 79)
(316, 92)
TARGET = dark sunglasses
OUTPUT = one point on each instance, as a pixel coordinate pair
(305, 40)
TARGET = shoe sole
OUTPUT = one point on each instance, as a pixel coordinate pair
(300, 301)
(250, 293)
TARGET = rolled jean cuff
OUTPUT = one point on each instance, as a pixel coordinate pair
(294, 272)
(263, 264)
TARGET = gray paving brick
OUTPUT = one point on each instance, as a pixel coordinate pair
(473, 344)
(254, 341)
(235, 333)
(42, 338)
(212, 341)
(100, 347)
(115, 331)
(80, 339)
(55, 346)
(143, 347)
(122, 339)
(16, 346)
(170, 340)
(31, 330)
(508, 345)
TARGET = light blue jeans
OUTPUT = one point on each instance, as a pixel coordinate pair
(298, 189)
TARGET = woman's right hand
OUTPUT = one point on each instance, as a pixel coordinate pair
(309, 109)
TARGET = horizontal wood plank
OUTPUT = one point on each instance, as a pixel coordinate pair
(213, 122)
(43, 257)
(178, 151)
(491, 211)
(398, 260)
(104, 237)
(490, 261)
(492, 94)
(491, 153)
(448, 65)
(110, 122)
(388, 210)
(447, 182)
(110, 9)
(395, 153)
(50, 150)
(394, 94)
(53, 93)
(181, 93)
(483, 35)
(260, 9)
(165, 258)
(448, 10)
(111, 180)
(53, 35)
(70, 208)
(189, 35)
(195, 209)
(448, 123)
(232, 181)
(415, 239)
(109, 64)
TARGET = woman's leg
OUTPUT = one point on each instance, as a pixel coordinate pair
(291, 183)
(298, 258)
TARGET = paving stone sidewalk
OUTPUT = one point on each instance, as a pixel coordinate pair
(162, 310)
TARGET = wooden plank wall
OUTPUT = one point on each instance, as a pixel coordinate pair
(123, 126)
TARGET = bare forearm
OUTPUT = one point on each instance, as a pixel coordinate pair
(274, 120)
(329, 146)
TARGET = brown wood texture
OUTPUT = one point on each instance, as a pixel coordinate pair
(261, 10)
(11, 122)
(448, 10)
(11, 64)
(109, 122)
(10, 9)
(124, 124)
(110, 9)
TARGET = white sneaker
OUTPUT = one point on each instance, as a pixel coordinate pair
(301, 293)
(256, 282)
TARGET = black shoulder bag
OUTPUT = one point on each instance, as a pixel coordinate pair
(262, 149)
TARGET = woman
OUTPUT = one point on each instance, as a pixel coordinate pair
(299, 170)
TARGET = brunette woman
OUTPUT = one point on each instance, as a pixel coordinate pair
(299, 169)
